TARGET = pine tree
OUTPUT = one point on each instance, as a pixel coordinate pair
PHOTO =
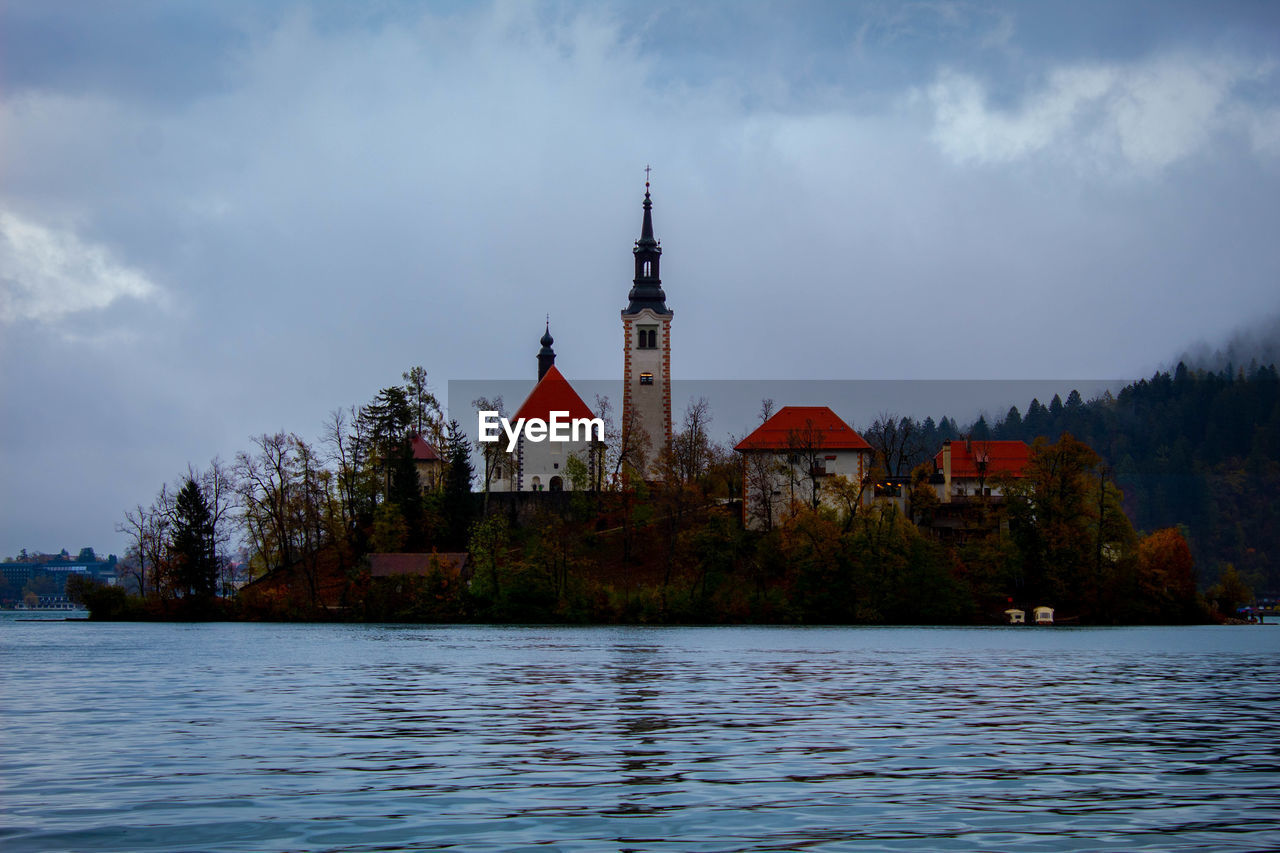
(194, 549)
(457, 486)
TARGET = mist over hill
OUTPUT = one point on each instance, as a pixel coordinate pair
(1256, 343)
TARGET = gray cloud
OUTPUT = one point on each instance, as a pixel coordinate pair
(50, 274)
(1144, 116)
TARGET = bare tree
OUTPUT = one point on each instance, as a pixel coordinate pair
(898, 443)
(691, 447)
(266, 487)
(492, 453)
(137, 526)
(632, 447)
(311, 511)
(601, 447)
(160, 522)
(342, 455)
(217, 485)
(807, 463)
(762, 469)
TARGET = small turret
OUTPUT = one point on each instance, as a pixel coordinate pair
(546, 355)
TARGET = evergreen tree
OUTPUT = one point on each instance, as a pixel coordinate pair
(1036, 422)
(406, 493)
(458, 508)
(194, 546)
(1011, 427)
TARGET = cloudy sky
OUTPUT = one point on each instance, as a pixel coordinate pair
(218, 219)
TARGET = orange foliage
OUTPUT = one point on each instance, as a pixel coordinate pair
(1165, 564)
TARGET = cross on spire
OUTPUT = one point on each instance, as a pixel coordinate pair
(646, 176)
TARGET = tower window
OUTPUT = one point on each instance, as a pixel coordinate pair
(646, 269)
(642, 339)
(653, 339)
(646, 378)
(648, 338)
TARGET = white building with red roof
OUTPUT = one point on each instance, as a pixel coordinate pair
(542, 466)
(790, 458)
(978, 467)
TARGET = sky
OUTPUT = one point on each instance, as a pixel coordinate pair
(220, 219)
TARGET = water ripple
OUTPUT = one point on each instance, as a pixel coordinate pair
(361, 738)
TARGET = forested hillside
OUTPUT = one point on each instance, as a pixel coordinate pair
(1196, 448)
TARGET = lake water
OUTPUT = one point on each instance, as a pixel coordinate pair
(119, 737)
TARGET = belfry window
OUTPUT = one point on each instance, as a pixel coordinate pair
(648, 338)
(646, 378)
(653, 339)
(646, 269)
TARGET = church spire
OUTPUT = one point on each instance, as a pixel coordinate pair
(546, 355)
(646, 229)
(646, 291)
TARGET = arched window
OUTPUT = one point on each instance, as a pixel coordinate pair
(537, 484)
(646, 269)
(557, 485)
(642, 339)
(653, 339)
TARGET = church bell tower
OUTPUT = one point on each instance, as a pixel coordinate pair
(646, 327)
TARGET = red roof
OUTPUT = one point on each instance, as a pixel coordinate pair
(423, 451)
(1002, 457)
(553, 393)
(791, 425)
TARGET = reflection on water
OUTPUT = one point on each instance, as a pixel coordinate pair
(353, 738)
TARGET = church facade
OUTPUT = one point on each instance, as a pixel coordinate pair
(646, 395)
(545, 466)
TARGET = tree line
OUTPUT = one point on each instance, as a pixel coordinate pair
(673, 548)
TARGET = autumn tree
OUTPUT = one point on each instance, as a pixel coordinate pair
(1166, 572)
(1059, 510)
(1230, 593)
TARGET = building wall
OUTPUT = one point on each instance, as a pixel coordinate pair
(534, 463)
(968, 487)
(651, 403)
(791, 482)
